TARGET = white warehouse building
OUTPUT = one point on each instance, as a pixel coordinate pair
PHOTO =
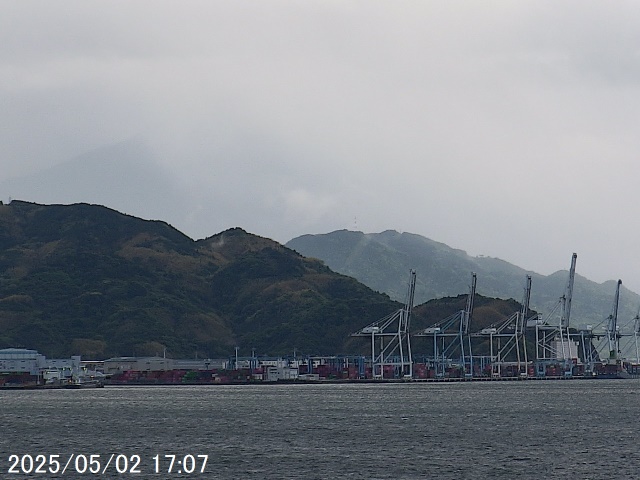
(22, 360)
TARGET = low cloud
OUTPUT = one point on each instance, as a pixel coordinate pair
(506, 129)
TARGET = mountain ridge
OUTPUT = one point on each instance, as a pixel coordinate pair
(380, 259)
(86, 279)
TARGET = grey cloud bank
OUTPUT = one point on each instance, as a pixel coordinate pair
(502, 128)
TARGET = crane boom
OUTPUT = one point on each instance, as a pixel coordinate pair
(408, 307)
(566, 312)
(468, 311)
(612, 327)
(525, 307)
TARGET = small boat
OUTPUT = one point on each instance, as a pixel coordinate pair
(85, 382)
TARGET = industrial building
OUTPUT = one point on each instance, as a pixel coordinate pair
(117, 365)
(22, 365)
(22, 360)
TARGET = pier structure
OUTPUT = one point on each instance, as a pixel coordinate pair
(391, 336)
(451, 339)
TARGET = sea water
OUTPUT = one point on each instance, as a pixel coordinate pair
(583, 429)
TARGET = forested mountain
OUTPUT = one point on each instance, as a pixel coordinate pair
(85, 279)
(381, 260)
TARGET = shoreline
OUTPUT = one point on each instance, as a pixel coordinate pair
(315, 382)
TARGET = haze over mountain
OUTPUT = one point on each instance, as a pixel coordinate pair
(382, 260)
(137, 177)
(504, 128)
(125, 175)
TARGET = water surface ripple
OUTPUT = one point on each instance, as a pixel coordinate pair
(554, 429)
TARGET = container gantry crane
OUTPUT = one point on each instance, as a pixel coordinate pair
(391, 334)
(451, 339)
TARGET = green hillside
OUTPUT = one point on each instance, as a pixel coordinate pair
(84, 279)
(381, 260)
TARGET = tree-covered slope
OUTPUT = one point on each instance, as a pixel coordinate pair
(381, 260)
(84, 279)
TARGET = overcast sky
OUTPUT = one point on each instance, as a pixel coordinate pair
(507, 129)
